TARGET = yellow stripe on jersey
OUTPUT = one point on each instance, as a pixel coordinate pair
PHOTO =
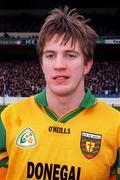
(3, 155)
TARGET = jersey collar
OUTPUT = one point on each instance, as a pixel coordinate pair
(88, 101)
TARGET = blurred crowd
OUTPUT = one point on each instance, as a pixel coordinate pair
(104, 78)
(22, 78)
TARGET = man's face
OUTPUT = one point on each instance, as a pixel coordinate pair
(64, 67)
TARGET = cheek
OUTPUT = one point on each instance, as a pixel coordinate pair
(78, 69)
(77, 74)
(44, 68)
(46, 72)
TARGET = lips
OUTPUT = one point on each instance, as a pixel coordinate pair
(60, 77)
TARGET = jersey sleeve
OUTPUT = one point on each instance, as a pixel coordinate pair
(115, 169)
(3, 152)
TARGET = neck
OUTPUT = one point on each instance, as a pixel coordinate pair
(63, 104)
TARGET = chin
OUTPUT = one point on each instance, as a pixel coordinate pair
(61, 91)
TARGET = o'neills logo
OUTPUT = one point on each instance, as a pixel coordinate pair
(52, 171)
(90, 144)
(59, 130)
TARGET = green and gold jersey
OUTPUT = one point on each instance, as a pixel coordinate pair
(35, 143)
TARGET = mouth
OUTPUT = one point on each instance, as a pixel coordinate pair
(60, 77)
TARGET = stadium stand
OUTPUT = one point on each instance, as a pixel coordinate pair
(24, 78)
(104, 78)
(20, 78)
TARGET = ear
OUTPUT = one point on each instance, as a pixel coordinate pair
(88, 66)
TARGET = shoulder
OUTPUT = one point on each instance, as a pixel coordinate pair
(20, 106)
(107, 109)
(103, 104)
(21, 112)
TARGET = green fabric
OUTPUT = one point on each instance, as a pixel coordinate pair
(70, 115)
(41, 98)
(88, 101)
(3, 162)
(2, 137)
(116, 165)
(51, 114)
(3, 145)
(117, 177)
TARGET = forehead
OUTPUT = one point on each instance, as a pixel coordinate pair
(61, 42)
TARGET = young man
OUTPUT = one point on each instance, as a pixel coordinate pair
(64, 132)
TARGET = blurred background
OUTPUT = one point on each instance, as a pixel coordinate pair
(20, 73)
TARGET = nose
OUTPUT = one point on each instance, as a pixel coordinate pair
(60, 63)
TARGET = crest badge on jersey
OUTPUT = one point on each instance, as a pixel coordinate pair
(26, 138)
(90, 144)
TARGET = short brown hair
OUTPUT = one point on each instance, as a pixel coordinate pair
(70, 24)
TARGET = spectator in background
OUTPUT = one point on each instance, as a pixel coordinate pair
(64, 132)
(18, 76)
(6, 35)
(104, 78)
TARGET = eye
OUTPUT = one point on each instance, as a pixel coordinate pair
(71, 56)
(49, 56)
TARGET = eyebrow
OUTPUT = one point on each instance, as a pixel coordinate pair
(72, 51)
(67, 51)
(48, 51)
